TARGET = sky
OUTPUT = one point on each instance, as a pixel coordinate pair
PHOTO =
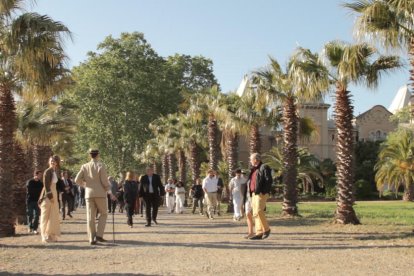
(237, 35)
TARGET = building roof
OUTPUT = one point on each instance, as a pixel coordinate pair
(369, 110)
(243, 86)
(401, 99)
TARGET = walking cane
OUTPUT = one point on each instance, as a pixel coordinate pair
(113, 227)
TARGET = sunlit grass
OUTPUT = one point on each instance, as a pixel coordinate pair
(369, 212)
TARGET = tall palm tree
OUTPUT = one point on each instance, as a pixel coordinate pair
(395, 163)
(204, 104)
(387, 22)
(29, 43)
(346, 64)
(298, 82)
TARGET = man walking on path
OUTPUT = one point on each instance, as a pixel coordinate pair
(210, 191)
(151, 190)
(94, 178)
(33, 188)
(259, 186)
(67, 196)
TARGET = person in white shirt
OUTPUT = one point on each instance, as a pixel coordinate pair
(210, 191)
(170, 199)
(179, 198)
(235, 187)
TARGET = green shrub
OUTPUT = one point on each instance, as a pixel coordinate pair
(330, 188)
(363, 190)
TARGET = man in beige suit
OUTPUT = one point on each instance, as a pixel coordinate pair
(93, 177)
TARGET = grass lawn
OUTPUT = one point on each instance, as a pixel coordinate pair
(369, 212)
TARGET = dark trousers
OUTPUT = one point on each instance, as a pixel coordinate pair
(111, 205)
(152, 201)
(198, 202)
(130, 209)
(33, 214)
(67, 199)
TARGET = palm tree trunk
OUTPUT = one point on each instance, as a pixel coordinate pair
(182, 162)
(213, 143)
(345, 213)
(7, 128)
(164, 167)
(411, 53)
(194, 161)
(171, 166)
(255, 142)
(408, 192)
(290, 158)
(232, 144)
(22, 173)
(41, 155)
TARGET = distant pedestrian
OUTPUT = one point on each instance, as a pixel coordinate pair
(198, 195)
(170, 195)
(67, 196)
(151, 190)
(179, 198)
(235, 187)
(130, 195)
(114, 190)
(94, 178)
(210, 192)
(220, 188)
(33, 189)
(259, 187)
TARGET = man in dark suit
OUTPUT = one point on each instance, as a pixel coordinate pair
(151, 189)
(67, 195)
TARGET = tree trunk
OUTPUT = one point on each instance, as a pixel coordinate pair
(345, 213)
(164, 168)
(194, 161)
(411, 53)
(213, 143)
(171, 166)
(255, 142)
(290, 158)
(232, 143)
(22, 172)
(182, 162)
(41, 155)
(409, 193)
(7, 128)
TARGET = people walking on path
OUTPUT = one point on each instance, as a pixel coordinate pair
(179, 198)
(220, 188)
(130, 196)
(48, 201)
(170, 195)
(94, 178)
(198, 195)
(67, 196)
(114, 190)
(210, 192)
(235, 188)
(151, 190)
(259, 187)
(33, 189)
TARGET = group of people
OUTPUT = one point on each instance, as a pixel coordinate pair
(101, 193)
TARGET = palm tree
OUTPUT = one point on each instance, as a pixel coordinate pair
(388, 22)
(29, 43)
(204, 104)
(298, 82)
(395, 163)
(358, 64)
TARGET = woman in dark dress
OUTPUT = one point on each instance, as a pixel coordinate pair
(130, 195)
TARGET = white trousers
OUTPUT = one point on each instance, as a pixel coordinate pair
(237, 204)
(170, 203)
(179, 200)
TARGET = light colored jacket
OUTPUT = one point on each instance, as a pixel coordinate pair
(93, 177)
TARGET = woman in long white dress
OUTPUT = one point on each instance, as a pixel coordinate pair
(179, 198)
(48, 201)
(236, 193)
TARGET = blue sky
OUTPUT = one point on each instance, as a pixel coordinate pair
(238, 35)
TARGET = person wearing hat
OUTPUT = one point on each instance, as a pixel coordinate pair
(93, 177)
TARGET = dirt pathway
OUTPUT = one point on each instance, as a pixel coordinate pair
(192, 245)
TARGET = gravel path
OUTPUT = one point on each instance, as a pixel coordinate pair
(190, 244)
